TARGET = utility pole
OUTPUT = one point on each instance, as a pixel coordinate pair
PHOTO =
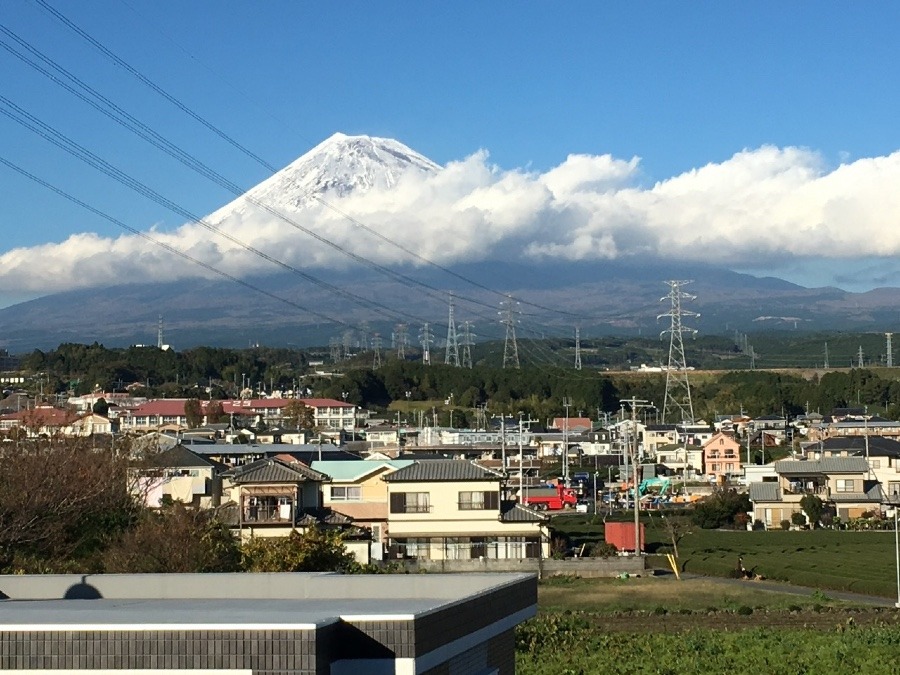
(451, 355)
(635, 403)
(566, 404)
(678, 389)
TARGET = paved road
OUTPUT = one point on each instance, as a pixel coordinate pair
(779, 587)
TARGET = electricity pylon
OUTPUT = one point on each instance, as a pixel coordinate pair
(426, 339)
(510, 348)
(376, 348)
(577, 348)
(451, 355)
(678, 389)
(467, 341)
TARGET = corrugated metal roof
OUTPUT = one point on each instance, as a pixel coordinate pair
(844, 497)
(442, 470)
(826, 465)
(765, 492)
(343, 471)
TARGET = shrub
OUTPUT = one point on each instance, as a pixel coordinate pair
(603, 549)
(758, 525)
(744, 610)
(798, 519)
(785, 524)
(720, 509)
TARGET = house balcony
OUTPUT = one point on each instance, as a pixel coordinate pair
(818, 490)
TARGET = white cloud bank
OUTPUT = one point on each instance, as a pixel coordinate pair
(768, 203)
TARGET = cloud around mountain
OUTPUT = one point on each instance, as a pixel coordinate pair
(777, 204)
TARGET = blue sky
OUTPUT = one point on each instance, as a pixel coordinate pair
(678, 85)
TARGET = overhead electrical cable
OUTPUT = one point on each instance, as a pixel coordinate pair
(199, 118)
(50, 134)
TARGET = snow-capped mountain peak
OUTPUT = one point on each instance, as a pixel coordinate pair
(335, 168)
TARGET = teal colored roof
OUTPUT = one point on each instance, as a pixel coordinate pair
(350, 471)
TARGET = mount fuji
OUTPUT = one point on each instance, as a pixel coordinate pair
(346, 191)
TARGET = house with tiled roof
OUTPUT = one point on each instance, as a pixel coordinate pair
(453, 510)
(178, 474)
(42, 420)
(882, 454)
(272, 498)
(357, 491)
(844, 483)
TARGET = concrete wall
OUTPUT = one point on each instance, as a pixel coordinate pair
(582, 567)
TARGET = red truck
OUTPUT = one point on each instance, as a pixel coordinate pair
(550, 498)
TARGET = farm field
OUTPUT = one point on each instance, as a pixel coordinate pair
(661, 625)
(861, 562)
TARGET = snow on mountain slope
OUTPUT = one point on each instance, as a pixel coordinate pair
(338, 167)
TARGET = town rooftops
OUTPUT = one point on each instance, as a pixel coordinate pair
(765, 492)
(179, 456)
(877, 445)
(826, 465)
(273, 470)
(353, 471)
(443, 470)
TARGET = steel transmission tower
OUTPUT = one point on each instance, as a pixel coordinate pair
(826, 355)
(467, 341)
(402, 338)
(376, 348)
(426, 339)
(510, 348)
(577, 348)
(889, 362)
(159, 333)
(334, 345)
(859, 363)
(678, 390)
(451, 356)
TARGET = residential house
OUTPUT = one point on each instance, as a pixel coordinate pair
(841, 482)
(178, 475)
(452, 509)
(90, 424)
(42, 420)
(357, 491)
(882, 454)
(722, 457)
(681, 460)
(656, 436)
(772, 425)
(572, 425)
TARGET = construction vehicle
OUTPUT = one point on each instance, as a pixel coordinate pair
(550, 498)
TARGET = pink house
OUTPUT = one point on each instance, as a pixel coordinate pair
(722, 457)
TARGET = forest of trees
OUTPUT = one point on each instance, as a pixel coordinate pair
(536, 391)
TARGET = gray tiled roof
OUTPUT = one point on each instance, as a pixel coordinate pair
(879, 446)
(273, 470)
(826, 465)
(843, 497)
(442, 470)
(764, 492)
(513, 512)
(180, 456)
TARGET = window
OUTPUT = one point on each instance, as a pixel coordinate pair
(893, 489)
(875, 463)
(410, 502)
(349, 493)
(844, 485)
(479, 501)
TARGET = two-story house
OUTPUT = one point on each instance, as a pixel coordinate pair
(177, 474)
(844, 483)
(452, 509)
(722, 457)
(357, 491)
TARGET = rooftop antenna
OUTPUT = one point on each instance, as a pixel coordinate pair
(678, 388)
(451, 356)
